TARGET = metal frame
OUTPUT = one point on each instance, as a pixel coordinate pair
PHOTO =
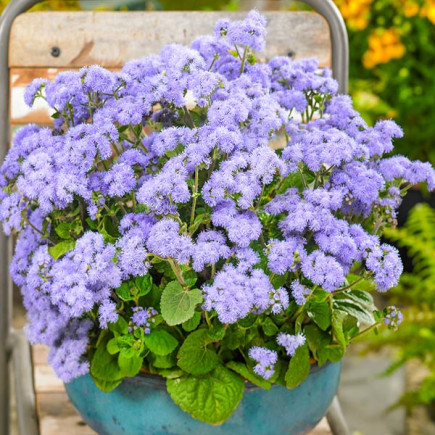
(13, 342)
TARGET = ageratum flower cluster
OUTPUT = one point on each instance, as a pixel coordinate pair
(202, 197)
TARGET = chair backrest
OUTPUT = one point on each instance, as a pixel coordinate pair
(44, 43)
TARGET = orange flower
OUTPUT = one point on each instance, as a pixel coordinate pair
(410, 9)
(355, 12)
(428, 11)
(384, 45)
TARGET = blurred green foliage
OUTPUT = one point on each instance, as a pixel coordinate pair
(415, 338)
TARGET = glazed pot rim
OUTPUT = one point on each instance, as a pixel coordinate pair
(159, 382)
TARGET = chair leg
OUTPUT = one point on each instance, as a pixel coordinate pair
(24, 386)
(336, 420)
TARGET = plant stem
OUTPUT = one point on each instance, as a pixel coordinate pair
(348, 286)
(189, 116)
(177, 271)
(242, 66)
(195, 195)
(365, 331)
(303, 178)
(38, 231)
(207, 319)
(215, 58)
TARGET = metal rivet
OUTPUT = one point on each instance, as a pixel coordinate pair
(291, 54)
(55, 51)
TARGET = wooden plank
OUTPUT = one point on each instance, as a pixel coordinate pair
(57, 416)
(112, 38)
(46, 380)
(40, 354)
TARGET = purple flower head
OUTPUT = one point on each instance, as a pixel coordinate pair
(250, 32)
(132, 255)
(144, 318)
(165, 241)
(266, 360)
(67, 358)
(107, 313)
(385, 264)
(98, 79)
(299, 292)
(32, 90)
(246, 258)
(210, 247)
(120, 180)
(290, 342)
(392, 317)
(285, 255)
(323, 270)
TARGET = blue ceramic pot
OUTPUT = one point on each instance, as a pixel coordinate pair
(141, 406)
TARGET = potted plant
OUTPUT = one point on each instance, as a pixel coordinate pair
(164, 245)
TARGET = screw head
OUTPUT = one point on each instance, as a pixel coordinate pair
(55, 51)
(291, 54)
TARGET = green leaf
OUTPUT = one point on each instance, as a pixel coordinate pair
(163, 362)
(152, 299)
(124, 293)
(112, 346)
(144, 284)
(63, 230)
(333, 352)
(251, 59)
(190, 277)
(191, 324)
(337, 326)
(104, 367)
(194, 356)
(299, 367)
(93, 225)
(161, 342)
(129, 364)
(109, 230)
(178, 305)
(61, 248)
(235, 338)
(171, 373)
(104, 385)
(355, 309)
(200, 219)
(321, 314)
(244, 371)
(363, 297)
(269, 327)
(211, 398)
(317, 341)
(120, 327)
(248, 322)
(217, 331)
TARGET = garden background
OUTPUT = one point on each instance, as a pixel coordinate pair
(391, 76)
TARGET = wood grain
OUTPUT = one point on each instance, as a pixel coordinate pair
(56, 413)
(112, 38)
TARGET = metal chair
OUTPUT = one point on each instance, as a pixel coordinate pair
(13, 344)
